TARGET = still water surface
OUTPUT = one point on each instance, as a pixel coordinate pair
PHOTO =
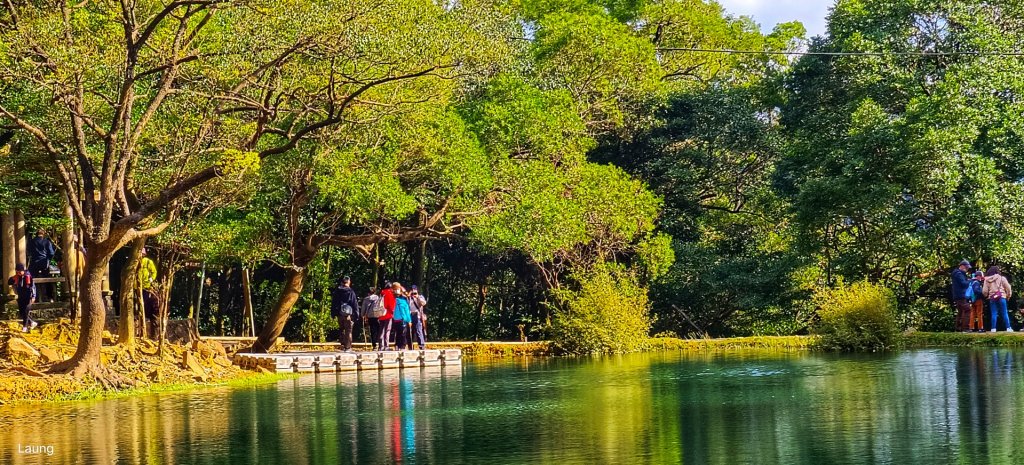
(919, 407)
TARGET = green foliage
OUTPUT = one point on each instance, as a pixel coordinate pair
(607, 314)
(858, 317)
(316, 322)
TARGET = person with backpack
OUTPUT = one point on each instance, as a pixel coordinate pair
(997, 289)
(387, 297)
(346, 309)
(417, 305)
(24, 288)
(977, 298)
(960, 287)
(401, 320)
(40, 251)
(371, 303)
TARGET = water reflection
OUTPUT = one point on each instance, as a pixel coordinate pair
(929, 406)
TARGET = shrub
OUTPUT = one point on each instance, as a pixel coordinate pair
(608, 314)
(860, 317)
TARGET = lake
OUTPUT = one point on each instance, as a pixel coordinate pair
(921, 407)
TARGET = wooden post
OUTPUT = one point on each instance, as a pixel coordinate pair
(10, 252)
(20, 238)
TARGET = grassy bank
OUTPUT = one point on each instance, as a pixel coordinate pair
(734, 343)
(918, 340)
(26, 358)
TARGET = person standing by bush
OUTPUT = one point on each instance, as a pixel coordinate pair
(997, 290)
(977, 321)
(25, 292)
(345, 308)
(960, 286)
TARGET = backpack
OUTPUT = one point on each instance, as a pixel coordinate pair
(345, 309)
(969, 293)
(378, 310)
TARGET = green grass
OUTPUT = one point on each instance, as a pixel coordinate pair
(1000, 339)
(734, 343)
(97, 393)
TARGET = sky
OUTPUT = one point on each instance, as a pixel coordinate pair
(768, 13)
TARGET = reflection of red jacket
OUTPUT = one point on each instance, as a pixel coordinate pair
(389, 304)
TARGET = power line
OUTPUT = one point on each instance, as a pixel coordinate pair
(770, 52)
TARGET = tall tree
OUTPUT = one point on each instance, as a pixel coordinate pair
(136, 103)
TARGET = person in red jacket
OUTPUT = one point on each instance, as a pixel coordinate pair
(389, 313)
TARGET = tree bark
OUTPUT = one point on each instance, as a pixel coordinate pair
(294, 281)
(481, 299)
(129, 296)
(248, 324)
(87, 355)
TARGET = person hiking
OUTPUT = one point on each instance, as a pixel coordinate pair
(345, 308)
(150, 302)
(400, 321)
(369, 303)
(976, 320)
(960, 286)
(417, 305)
(997, 289)
(40, 251)
(388, 295)
(25, 292)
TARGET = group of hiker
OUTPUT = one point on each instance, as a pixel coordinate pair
(41, 252)
(395, 316)
(971, 290)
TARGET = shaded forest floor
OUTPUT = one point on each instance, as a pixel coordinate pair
(25, 359)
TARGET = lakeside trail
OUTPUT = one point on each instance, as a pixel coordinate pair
(25, 359)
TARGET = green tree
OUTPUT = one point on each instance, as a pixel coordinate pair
(899, 164)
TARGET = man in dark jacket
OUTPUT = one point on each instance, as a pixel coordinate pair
(346, 309)
(960, 285)
(40, 252)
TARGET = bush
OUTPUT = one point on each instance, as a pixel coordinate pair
(860, 317)
(609, 314)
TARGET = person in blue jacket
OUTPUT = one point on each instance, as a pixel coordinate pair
(960, 286)
(401, 320)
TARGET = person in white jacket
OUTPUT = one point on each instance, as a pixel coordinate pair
(997, 289)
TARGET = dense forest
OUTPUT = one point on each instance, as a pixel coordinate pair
(588, 171)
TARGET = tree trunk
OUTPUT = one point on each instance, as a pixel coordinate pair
(130, 295)
(248, 324)
(295, 279)
(419, 265)
(87, 356)
(481, 299)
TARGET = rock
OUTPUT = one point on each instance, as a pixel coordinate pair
(108, 338)
(49, 355)
(222, 361)
(263, 370)
(189, 362)
(28, 371)
(19, 346)
(217, 348)
(157, 375)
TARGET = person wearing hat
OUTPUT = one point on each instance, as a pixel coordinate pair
(417, 303)
(997, 289)
(960, 287)
(25, 291)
